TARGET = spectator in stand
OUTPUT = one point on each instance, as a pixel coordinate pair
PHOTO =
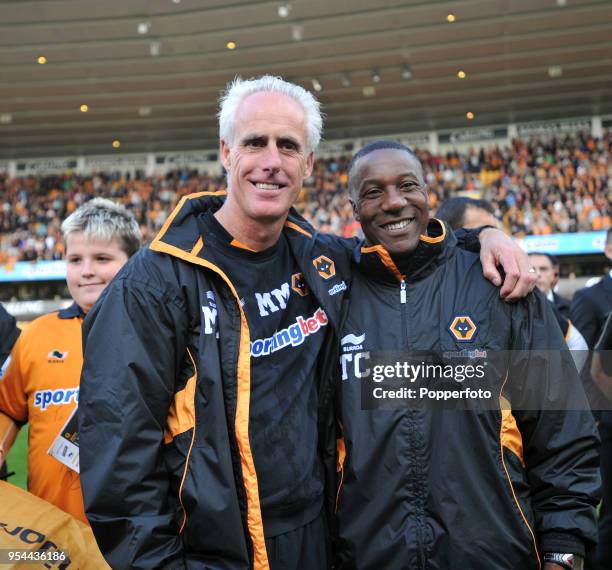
(40, 385)
(537, 186)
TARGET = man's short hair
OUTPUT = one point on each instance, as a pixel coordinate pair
(553, 260)
(238, 89)
(371, 147)
(452, 211)
(104, 220)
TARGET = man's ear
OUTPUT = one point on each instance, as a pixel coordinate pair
(309, 165)
(224, 153)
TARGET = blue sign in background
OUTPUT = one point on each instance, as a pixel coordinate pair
(557, 244)
(565, 244)
(34, 271)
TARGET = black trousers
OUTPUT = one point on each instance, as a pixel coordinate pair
(305, 548)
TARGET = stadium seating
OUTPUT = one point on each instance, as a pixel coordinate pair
(536, 186)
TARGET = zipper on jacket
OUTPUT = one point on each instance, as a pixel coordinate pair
(403, 311)
(412, 416)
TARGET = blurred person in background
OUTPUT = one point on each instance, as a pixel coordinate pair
(591, 305)
(590, 308)
(543, 263)
(467, 213)
(560, 302)
(40, 385)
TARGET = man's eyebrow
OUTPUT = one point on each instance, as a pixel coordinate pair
(290, 139)
(251, 137)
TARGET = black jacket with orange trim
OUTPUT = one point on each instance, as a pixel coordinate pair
(448, 488)
(166, 466)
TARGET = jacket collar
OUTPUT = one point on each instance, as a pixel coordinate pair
(180, 234)
(434, 248)
(71, 312)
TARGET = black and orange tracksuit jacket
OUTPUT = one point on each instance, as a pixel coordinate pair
(454, 489)
(166, 464)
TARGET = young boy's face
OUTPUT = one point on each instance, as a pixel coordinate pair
(91, 265)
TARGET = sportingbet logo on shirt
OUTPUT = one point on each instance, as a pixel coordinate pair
(60, 397)
(293, 335)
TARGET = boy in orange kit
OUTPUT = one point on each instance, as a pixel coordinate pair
(40, 385)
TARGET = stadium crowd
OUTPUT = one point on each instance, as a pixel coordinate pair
(536, 187)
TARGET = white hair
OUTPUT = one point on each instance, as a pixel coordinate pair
(238, 89)
(103, 219)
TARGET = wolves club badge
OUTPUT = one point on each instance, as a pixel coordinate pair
(298, 284)
(324, 266)
(463, 328)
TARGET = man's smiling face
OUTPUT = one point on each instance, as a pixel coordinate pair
(267, 161)
(390, 199)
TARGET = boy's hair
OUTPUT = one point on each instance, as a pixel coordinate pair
(102, 219)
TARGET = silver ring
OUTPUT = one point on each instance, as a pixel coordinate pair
(532, 270)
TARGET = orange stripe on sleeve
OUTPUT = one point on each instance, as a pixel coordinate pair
(341, 451)
(189, 405)
(505, 404)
